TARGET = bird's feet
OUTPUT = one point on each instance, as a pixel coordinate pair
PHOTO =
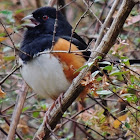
(57, 103)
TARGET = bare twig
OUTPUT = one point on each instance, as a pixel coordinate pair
(14, 104)
(3, 131)
(124, 66)
(9, 37)
(38, 3)
(86, 133)
(106, 22)
(92, 12)
(55, 26)
(133, 115)
(16, 114)
(6, 120)
(72, 117)
(111, 114)
(6, 77)
(51, 3)
(83, 16)
(86, 126)
(66, 5)
(124, 100)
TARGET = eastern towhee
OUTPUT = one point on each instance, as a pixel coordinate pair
(50, 74)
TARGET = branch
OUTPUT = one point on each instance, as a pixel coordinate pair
(75, 89)
(106, 22)
(16, 114)
(7, 76)
(7, 121)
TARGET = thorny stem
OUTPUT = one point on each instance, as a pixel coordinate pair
(67, 4)
(83, 16)
(55, 26)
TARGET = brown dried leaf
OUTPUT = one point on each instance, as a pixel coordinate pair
(132, 20)
(23, 126)
(2, 38)
(117, 123)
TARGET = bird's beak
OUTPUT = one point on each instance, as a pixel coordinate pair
(33, 22)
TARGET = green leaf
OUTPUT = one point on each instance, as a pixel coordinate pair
(98, 57)
(129, 99)
(108, 68)
(35, 114)
(104, 133)
(126, 62)
(80, 68)
(123, 57)
(104, 92)
(95, 73)
(25, 108)
(138, 107)
(2, 34)
(6, 12)
(135, 98)
(117, 72)
(99, 78)
(127, 94)
(90, 64)
(43, 106)
(105, 62)
(127, 125)
(20, 11)
(114, 110)
(9, 58)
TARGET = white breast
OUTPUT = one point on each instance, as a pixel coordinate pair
(44, 74)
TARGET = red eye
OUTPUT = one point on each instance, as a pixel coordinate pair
(45, 17)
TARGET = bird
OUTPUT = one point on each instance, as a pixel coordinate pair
(50, 74)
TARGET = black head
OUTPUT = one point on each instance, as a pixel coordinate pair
(43, 19)
(44, 13)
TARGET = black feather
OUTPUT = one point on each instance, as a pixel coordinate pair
(39, 38)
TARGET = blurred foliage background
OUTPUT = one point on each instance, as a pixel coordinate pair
(118, 91)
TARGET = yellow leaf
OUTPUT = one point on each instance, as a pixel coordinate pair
(117, 123)
(2, 94)
(2, 38)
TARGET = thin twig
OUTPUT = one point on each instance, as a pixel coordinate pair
(86, 126)
(9, 37)
(106, 22)
(114, 62)
(124, 100)
(66, 5)
(51, 3)
(5, 133)
(6, 120)
(6, 77)
(86, 133)
(16, 114)
(55, 26)
(110, 113)
(72, 117)
(92, 12)
(133, 115)
(9, 107)
(83, 16)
